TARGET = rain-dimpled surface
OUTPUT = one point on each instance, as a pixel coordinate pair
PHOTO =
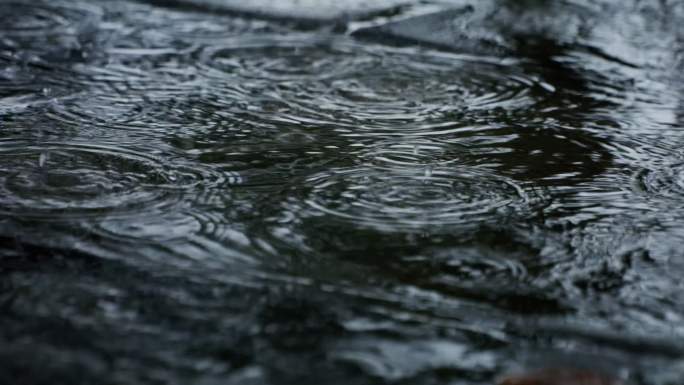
(286, 192)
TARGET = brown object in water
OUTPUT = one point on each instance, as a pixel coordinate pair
(560, 377)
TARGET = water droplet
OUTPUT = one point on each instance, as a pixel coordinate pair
(42, 159)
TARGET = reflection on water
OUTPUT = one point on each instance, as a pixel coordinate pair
(238, 196)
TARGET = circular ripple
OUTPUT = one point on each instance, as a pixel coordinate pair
(146, 73)
(667, 181)
(129, 112)
(473, 266)
(279, 58)
(267, 82)
(413, 152)
(336, 82)
(391, 199)
(37, 41)
(74, 180)
(56, 26)
(459, 265)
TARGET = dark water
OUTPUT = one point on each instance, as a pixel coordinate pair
(193, 197)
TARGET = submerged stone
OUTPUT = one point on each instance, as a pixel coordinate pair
(309, 12)
(448, 29)
(485, 27)
(631, 33)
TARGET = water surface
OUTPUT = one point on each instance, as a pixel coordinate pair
(195, 196)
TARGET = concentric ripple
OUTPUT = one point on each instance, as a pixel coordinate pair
(38, 40)
(468, 265)
(112, 111)
(413, 152)
(335, 81)
(280, 58)
(57, 180)
(391, 199)
(267, 81)
(667, 181)
(56, 26)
